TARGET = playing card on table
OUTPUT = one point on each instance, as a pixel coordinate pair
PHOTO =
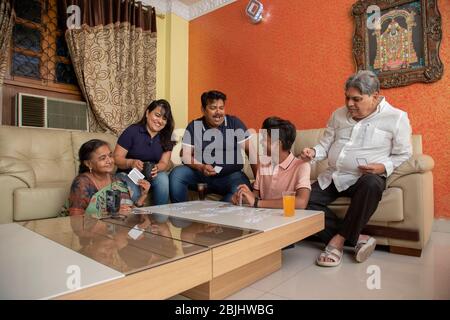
(135, 232)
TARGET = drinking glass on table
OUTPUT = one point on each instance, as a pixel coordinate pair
(289, 203)
(113, 202)
(202, 189)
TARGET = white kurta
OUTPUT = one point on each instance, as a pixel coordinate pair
(383, 137)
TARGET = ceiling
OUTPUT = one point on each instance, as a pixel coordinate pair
(189, 2)
(187, 9)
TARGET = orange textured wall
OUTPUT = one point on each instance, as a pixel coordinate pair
(294, 65)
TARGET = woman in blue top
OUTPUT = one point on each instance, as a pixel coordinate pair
(148, 140)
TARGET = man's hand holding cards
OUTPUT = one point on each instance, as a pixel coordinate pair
(372, 168)
(361, 162)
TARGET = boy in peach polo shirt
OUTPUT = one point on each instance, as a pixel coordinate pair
(282, 172)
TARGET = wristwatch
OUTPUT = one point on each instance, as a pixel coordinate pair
(255, 204)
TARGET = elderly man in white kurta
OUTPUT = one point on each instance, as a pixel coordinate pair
(364, 141)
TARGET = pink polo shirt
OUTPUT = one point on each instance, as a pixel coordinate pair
(290, 175)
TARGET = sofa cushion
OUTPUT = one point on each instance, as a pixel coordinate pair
(19, 169)
(389, 209)
(419, 163)
(47, 151)
(306, 138)
(309, 138)
(38, 203)
(56, 184)
(7, 186)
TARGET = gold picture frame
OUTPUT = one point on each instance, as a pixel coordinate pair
(399, 40)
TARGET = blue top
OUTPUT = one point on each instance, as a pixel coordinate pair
(140, 144)
(218, 146)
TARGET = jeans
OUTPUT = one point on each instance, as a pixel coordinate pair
(159, 189)
(183, 178)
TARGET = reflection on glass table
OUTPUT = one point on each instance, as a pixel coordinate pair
(111, 244)
(189, 232)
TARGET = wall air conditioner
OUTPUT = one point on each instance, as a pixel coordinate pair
(47, 112)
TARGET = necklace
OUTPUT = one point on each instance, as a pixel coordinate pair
(100, 184)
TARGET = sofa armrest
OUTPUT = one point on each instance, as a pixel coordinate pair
(18, 169)
(419, 163)
(418, 207)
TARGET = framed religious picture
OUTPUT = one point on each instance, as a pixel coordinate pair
(398, 40)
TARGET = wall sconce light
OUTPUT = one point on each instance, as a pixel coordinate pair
(255, 11)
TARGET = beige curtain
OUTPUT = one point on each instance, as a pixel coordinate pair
(115, 62)
(6, 27)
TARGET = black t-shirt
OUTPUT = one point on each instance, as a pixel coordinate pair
(141, 145)
(218, 146)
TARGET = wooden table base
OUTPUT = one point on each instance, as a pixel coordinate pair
(233, 281)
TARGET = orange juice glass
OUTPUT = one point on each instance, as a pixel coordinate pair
(289, 203)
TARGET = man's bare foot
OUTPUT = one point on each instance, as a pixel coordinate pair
(337, 242)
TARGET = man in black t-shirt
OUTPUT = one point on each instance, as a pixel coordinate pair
(211, 152)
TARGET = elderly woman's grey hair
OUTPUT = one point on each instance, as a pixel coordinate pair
(365, 81)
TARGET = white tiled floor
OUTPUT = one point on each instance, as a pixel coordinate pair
(401, 277)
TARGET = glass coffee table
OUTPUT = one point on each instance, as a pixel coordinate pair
(201, 249)
(237, 261)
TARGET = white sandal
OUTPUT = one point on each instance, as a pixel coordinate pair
(364, 249)
(332, 253)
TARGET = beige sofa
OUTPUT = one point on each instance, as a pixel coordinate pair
(37, 167)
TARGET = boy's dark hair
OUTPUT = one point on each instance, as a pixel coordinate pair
(287, 131)
(211, 96)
